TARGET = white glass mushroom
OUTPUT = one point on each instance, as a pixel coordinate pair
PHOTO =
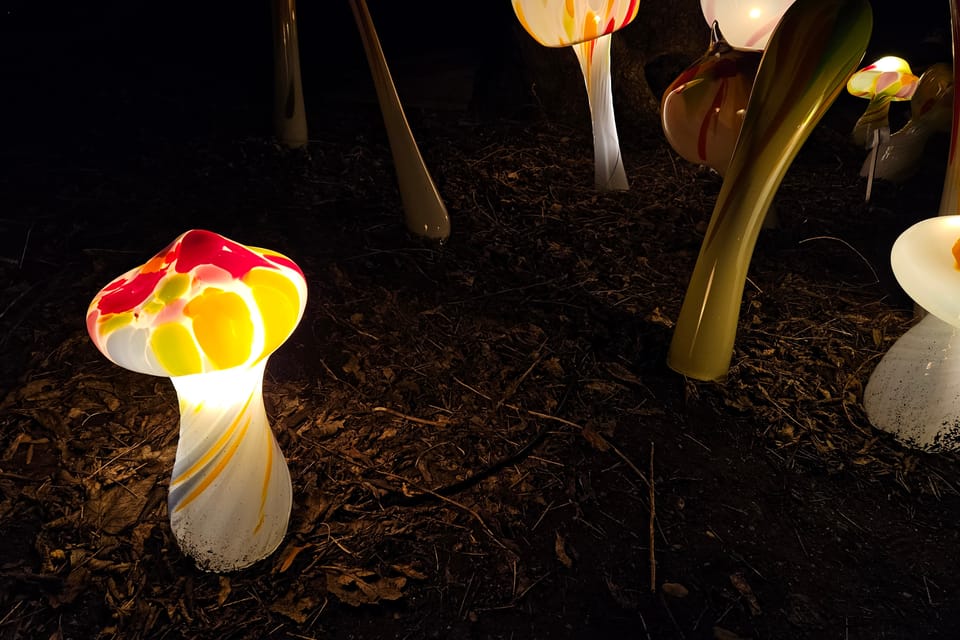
(586, 26)
(745, 24)
(915, 391)
(207, 312)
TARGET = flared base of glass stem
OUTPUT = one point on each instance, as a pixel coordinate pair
(230, 493)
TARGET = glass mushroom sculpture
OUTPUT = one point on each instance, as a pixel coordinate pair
(745, 24)
(887, 80)
(815, 47)
(208, 312)
(586, 25)
(926, 262)
(703, 108)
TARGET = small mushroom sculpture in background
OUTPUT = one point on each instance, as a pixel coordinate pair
(586, 25)
(887, 80)
(207, 312)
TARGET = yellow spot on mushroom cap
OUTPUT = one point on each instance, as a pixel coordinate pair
(176, 349)
(222, 326)
(174, 287)
(279, 303)
(110, 323)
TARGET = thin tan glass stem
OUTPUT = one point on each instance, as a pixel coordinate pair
(289, 115)
(424, 211)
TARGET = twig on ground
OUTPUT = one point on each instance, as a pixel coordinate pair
(547, 416)
(451, 501)
(397, 414)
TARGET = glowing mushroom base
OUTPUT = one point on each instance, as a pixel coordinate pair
(227, 449)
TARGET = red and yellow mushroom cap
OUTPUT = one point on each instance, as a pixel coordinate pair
(205, 303)
(561, 23)
(889, 77)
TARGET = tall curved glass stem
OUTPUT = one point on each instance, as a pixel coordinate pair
(594, 58)
(230, 493)
(289, 115)
(813, 51)
(424, 211)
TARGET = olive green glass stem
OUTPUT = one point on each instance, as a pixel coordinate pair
(815, 48)
(424, 211)
(289, 115)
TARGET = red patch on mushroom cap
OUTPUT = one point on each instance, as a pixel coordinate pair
(205, 247)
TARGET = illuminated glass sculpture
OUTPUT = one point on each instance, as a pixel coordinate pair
(586, 25)
(208, 312)
(921, 371)
(289, 116)
(887, 80)
(812, 52)
(931, 111)
(915, 389)
(423, 209)
(745, 24)
(702, 110)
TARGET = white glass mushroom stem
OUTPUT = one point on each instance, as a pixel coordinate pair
(230, 493)
(594, 57)
(914, 393)
(289, 115)
(423, 209)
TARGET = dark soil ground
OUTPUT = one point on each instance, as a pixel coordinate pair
(484, 438)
